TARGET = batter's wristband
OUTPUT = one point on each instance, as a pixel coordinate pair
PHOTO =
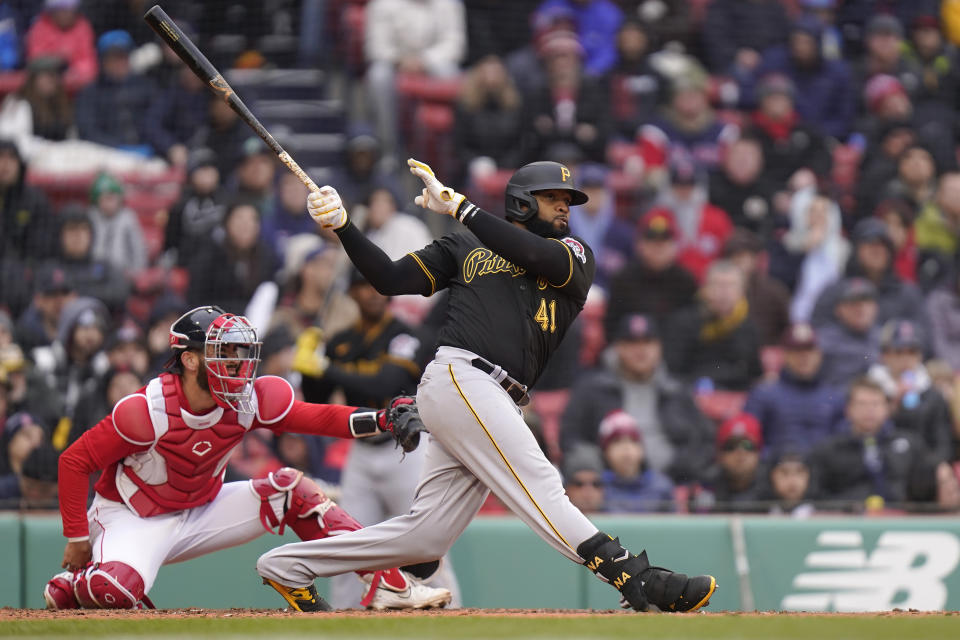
(466, 211)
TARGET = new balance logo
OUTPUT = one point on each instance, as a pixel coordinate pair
(906, 570)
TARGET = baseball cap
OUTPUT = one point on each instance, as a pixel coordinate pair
(115, 40)
(658, 224)
(879, 88)
(126, 334)
(925, 21)
(740, 427)
(884, 23)
(618, 424)
(103, 184)
(592, 175)
(253, 146)
(636, 326)
(774, 83)
(854, 289)
(799, 336)
(582, 457)
(901, 334)
(52, 279)
(201, 157)
(871, 230)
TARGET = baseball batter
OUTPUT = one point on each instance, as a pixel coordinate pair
(514, 288)
(161, 497)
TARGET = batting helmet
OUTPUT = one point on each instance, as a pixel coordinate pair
(521, 205)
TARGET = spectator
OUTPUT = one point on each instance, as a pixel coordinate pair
(686, 129)
(175, 115)
(598, 22)
(596, 223)
(409, 36)
(768, 298)
(878, 165)
(582, 478)
(288, 215)
(799, 409)
(255, 175)
(227, 273)
(936, 60)
(825, 11)
(310, 294)
(741, 187)
(40, 108)
(73, 366)
(851, 340)
(813, 253)
(23, 435)
(916, 179)
(29, 226)
(884, 55)
(126, 350)
(735, 33)
(89, 276)
(667, 286)
(735, 482)
(701, 228)
(570, 109)
(630, 486)
(62, 31)
(669, 23)
(224, 134)
(872, 258)
(111, 110)
(165, 311)
(634, 379)
(117, 235)
(936, 231)
(38, 324)
(362, 168)
(199, 210)
(489, 119)
(899, 215)
(869, 458)
(116, 385)
(636, 88)
(822, 94)
(790, 486)
(716, 343)
(918, 407)
(486, 34)
(792, 146)
(943, 307)
(10, 36)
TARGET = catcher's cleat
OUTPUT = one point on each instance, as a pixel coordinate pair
(58, 593)
(641, 585)
(300, 598)
(401, 590)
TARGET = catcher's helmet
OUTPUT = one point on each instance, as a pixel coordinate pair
(231, 353)
(521, 205)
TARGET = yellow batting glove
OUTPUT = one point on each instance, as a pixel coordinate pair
(435, 196)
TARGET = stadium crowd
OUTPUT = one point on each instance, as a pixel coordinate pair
(774, 210)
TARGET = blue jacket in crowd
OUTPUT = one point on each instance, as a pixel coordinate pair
(649, 491)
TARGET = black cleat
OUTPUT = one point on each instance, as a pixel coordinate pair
(300, 598)
(670, 591)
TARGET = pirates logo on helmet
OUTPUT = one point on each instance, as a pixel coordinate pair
(521, 205)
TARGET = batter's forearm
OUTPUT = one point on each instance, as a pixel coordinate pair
(538, 255)
(389, 277)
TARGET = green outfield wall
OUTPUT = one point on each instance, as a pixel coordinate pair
(822, 564)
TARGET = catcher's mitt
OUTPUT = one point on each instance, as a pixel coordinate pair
(402, 420)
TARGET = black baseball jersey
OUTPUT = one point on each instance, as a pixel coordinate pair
(371, 365)
(499, 310)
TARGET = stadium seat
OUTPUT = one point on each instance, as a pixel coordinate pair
(550, 405)
(720, 405)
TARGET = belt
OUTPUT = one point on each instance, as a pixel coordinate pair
(516, 391)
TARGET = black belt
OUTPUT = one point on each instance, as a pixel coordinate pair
(516, 391)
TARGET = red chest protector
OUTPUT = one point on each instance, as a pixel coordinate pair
(185, 465)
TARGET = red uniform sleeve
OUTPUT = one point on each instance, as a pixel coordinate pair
(316, 419)
(96, 449)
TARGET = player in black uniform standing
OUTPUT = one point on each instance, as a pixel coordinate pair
(372, 362)
(514, 288)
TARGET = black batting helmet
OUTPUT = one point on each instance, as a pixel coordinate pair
(537, 176)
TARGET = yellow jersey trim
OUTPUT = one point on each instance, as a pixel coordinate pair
(433, 281)
(569, 257)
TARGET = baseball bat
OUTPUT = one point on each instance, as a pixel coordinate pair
(187, 51)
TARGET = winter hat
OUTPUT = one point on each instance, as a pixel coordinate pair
(744, 427)
(618, 424)
(879, 88)
(103, 184)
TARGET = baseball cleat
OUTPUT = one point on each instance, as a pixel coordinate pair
(300, 598)
(660, 586)
(58, 593)
(414, 595)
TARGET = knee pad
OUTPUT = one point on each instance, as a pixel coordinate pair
(307, 509)
(110, 585)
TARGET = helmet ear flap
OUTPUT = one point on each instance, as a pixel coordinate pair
(521, 206)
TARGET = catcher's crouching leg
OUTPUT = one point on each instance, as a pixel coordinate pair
(314, 516)
(640, 584)
(109, 585)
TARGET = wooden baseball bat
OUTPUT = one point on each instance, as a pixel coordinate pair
(168, 30)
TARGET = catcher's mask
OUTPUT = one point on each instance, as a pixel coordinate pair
(230, 349)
